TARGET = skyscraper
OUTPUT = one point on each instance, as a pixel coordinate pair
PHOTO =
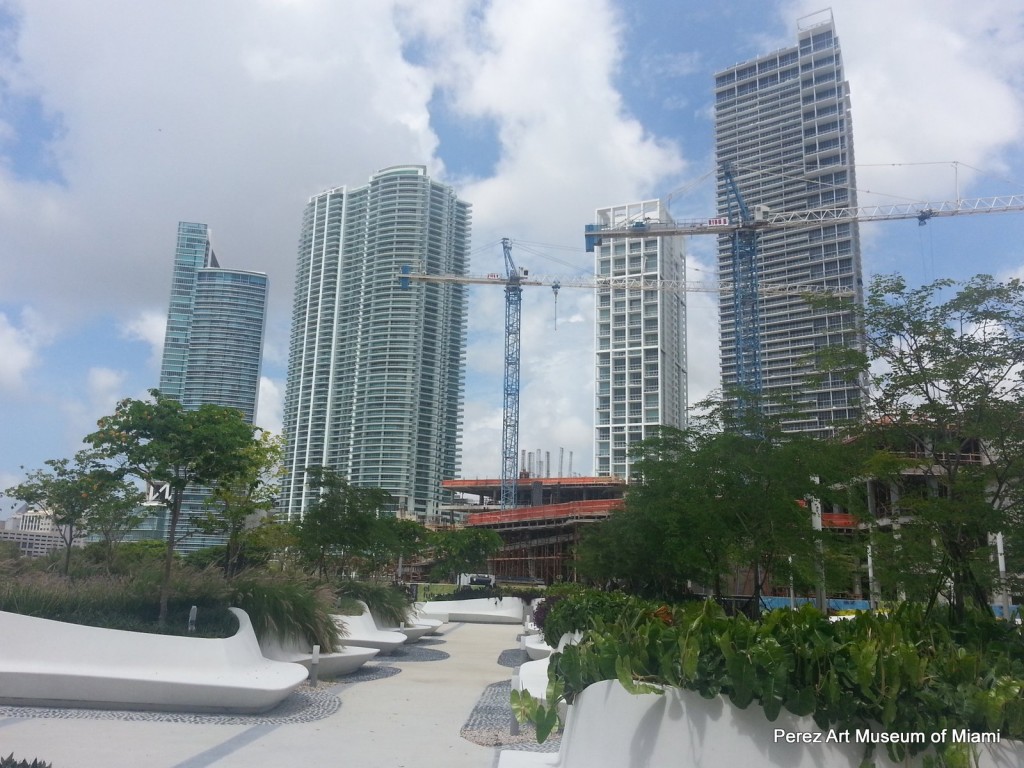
(213, 346)
(783, 126)
(375, 371)
(214, 341)
(640, 338)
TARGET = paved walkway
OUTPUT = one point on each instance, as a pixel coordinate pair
(400, 712)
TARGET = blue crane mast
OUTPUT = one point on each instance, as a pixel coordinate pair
(746, 309)
(510, 405)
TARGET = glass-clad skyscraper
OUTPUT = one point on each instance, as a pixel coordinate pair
(640, 337)
(214, 341)
(375, 370)
(213, 345)
(783, 127)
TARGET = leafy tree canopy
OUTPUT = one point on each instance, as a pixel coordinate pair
(339, 528)
(81, 494)
(713, 501)
(172, 449)
(238, 500)
(945, 419)
(463, 550)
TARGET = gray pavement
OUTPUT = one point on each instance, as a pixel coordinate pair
(405, 711)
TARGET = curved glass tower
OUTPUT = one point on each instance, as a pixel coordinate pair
(214, 341)
(213, 347)
(375, 371)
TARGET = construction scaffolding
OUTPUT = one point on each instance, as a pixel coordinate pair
(539, 540)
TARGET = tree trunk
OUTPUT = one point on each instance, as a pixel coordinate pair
(67, 550)
(756, 610)
(174, 510)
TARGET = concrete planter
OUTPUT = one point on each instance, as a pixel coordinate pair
(608, 727)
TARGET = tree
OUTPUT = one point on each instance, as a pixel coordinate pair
(724, 497)
(463, 550)
(173, 450)
(114, 518)
(80, 494)
(237, 500)
(395, 540)
(668, 532)
(945, 420)
(272, 540)
(339, 526)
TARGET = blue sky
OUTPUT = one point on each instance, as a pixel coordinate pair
(118, 119)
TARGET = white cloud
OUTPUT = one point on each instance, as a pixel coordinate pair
(930, 81)
(270, 406)
(20, 345)
(266, 105)
(103, 388)
(270, 102)
(508, 65)
(149, 326)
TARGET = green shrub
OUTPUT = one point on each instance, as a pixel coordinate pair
(10, 762)
(388, 603)
(118, 602)
(580, 612)
(348, 606)
(469, 593)
(526, 594)
(284, 607)
(905, 673)
(565, 589)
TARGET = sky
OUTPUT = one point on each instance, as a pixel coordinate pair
(118, 119)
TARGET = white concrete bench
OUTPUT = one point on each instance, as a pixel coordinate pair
(536, 648)
(416, 616)
(55, 664)
(608, 727)
(413, 631)
(420, 611)
(532, 676)
(344, 661)
(362, 631)
(480, 610)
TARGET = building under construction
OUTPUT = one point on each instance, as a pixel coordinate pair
(540, 534)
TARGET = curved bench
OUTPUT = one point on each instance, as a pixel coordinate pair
(412, 630)
(480, 610)
(532, 676)
(536, 648)
(342, 662)
(433, 625)
(362, 631)
(55, 664)
(608, 727)
(436, 620)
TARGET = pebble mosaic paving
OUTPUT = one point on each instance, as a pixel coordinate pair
(306, 704)
(489, 724)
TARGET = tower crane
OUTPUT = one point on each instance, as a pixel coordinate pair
(744, 226)
(510, 403)
(513, 280)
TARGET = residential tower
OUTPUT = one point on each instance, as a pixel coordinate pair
(375, 370)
